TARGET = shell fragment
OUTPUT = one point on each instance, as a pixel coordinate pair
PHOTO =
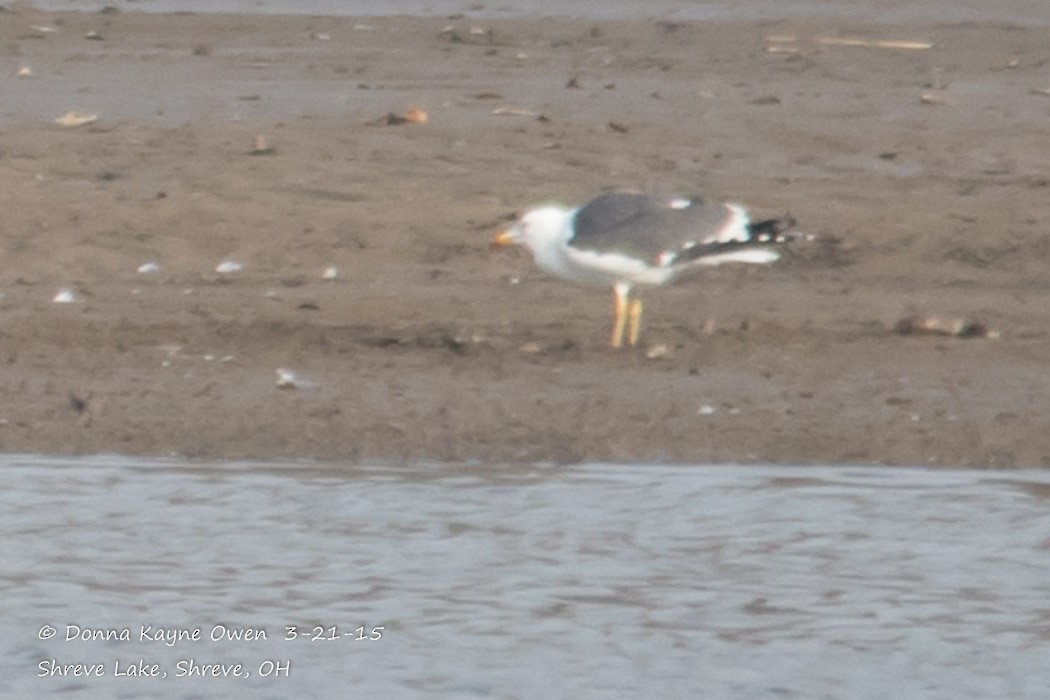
(72, 119)
(228, 266)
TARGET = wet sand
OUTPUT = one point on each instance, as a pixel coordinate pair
(921, 173)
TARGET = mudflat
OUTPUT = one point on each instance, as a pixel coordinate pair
(913, 158)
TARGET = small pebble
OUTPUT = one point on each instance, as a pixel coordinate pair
(658, 351)
(286, 379)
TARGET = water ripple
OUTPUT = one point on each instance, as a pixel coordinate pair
(597, 581)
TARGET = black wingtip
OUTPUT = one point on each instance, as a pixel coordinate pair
(772, 230)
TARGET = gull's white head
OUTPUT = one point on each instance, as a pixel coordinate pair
(537, 229)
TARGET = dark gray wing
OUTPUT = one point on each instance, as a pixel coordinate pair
(647, 227)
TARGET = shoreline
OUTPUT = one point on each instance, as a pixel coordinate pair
(922, 13)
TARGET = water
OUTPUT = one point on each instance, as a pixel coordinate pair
(525, 582)
(1022, 12)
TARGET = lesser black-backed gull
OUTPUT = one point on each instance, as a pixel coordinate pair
(630, 240)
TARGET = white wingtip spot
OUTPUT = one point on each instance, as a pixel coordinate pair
(680, 203)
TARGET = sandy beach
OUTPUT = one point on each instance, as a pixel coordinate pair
(912, 157)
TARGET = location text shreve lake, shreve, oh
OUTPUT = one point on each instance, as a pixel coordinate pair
(140, 668)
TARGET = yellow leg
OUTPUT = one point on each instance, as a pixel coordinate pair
(634, 321)
(621, 301)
